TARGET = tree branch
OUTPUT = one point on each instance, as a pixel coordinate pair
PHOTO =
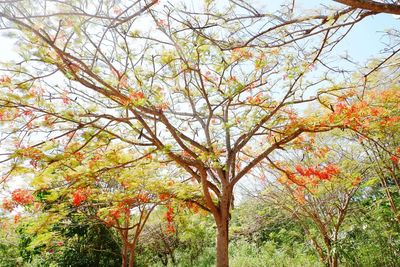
(373, 6)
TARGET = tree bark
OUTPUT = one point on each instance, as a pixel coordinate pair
(131, 256)
(335, 260)
(373, 6)
(222, 221)
(223, 242)
(124, 254)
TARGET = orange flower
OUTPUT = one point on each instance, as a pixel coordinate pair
(22, 197)
(356, 181)
(395, 159)
(79, 196)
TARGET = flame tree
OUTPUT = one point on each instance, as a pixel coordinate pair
(216, 88)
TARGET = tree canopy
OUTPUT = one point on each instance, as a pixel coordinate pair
(113, 108)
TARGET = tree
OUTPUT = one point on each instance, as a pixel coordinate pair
(318, 191)
(381, 146)
(82, 243)
(215, 92)
(109, 186)
(9, 243)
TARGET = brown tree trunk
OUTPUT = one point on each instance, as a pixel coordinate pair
(332, 261)
(222, 242)
(124, 236)
(221, 216)
(131, 256)
(124, 255)
(222, 221)
(335, 261)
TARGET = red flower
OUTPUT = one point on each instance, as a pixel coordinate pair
(115, 214)
(300, 170)
(78, 197)
(332, 169)
(8, 205)
(395, 159)
(170, 229)
(142, 198)
(136, 96)
(22, 197)
(356, 181)
(322, 173)
(339, 107)
(17, 217)
(169, 214)
(164, 196)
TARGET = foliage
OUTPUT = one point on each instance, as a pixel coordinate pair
(9, 251)
(79, 244)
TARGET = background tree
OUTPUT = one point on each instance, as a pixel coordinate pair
(82, 243)
(318, 192)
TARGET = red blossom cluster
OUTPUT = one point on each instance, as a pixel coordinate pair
(324, 173)
(22, 197)
(27, 112)
(140, 198)
(241, 53)
(136, 96)
(33, 153)
(395, 159)
(115, 214)
(124, 208)
(18, 197)
(255, 100)
(169, 216)
(363, 114)
(191, 206)
(349, 114)
(164, 196)
(8, 205)
(79, 196)
(356, 181)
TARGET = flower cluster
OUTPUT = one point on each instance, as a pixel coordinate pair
(79, 196)
(323, 173)
(169, 216)
(22, 197)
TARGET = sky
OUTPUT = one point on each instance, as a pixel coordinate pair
(365, 39)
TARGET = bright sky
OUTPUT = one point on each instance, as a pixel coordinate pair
(365, 39)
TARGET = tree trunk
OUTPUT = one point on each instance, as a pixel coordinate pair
(332, 261)
(124, 255)
(131, 256)
(335, 260)
(222, 245)
(223, 240)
